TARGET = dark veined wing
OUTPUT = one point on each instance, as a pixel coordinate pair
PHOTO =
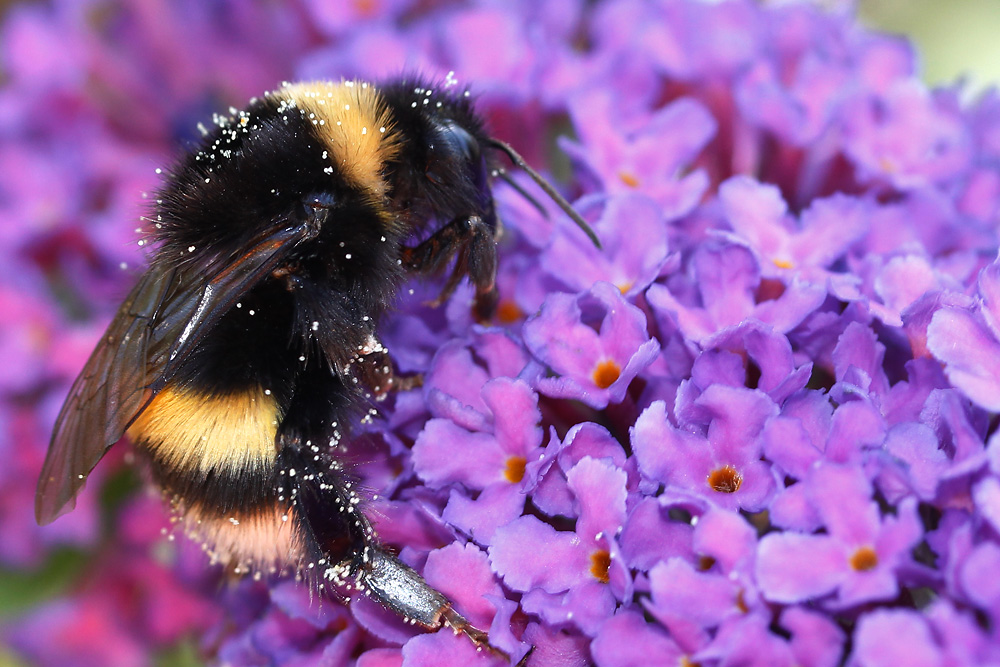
(164, 317)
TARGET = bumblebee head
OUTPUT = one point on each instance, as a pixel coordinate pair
(447, 158)
(457, 162)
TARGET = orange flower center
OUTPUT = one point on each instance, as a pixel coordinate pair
(514, 471)
(864, 559)
(600, 563)
(741, 602)
(629, 179)
(606, 373)
(726, 479)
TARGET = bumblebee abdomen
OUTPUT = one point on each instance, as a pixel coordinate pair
(200, 433)
(253, 498)
(214, 455)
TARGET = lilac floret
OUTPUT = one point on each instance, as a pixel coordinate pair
(626, 640)
(817, 641)
(633, 249)
(646, 159)
(860, 556)
(726, 288)
(966, 340)
(759, 214)
(574, 577)
(880, 137)
(894, 637)
(719, 461)
(491, 463)
(592, 365)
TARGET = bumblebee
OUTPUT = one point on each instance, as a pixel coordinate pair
(250, 345)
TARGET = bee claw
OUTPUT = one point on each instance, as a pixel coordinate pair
(481, 639)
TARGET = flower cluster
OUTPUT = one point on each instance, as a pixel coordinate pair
(755, 427)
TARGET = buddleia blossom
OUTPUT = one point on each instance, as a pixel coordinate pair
(757, 426)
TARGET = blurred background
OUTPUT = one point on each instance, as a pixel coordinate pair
(954, 39)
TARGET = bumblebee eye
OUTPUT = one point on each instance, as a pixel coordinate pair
(460, 142)
(459, 148)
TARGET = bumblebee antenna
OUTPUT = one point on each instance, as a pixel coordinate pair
(547, 187)
(501, 173)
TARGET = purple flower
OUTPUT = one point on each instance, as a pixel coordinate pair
(633, 249)
(748, 640)
(966, 340)
(746, 355)
(980, 561)
(727, 288)
(718, 461)
(959, 637)
(593, 366)
(860, 557)
(759, 215)
(492, 463)
(289, 630)
(650, 536)
(694, 600)
(880, 137)
(645, 159)
(817, 641)
(552, 494)
(626, 639)
(900, 637)
(570, 577)
(340, 20)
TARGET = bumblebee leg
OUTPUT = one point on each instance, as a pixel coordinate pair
(336, 540)
(404, 591)
(374, 370)
(472, 241)
(331, 531)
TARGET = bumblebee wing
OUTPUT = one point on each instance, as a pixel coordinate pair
(190, 315)
(164, 317)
